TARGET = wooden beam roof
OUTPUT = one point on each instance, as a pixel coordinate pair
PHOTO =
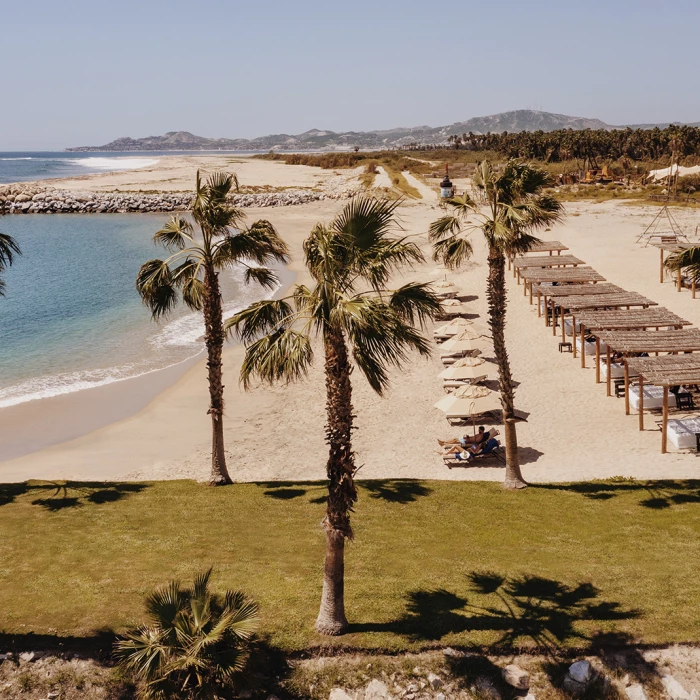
(685, 340)
(629, 319)
(561, 274)
(547, 246)
(577, 302)
(547, 261)
(576, 289)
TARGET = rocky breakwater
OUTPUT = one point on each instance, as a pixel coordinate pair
(24, 199)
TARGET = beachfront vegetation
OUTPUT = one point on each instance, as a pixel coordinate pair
(195, 644)
(572, 563)
(192, 274)
(351, 309)
(8, 249)
(687, 260)
(515, 208)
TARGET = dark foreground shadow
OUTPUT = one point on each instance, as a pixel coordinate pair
(390, 490)
(655, 495)
(523, 609)
(57, 495)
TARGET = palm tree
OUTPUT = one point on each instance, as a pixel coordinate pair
(8, 249)
(516, 206)
(353, 312)
(196, 642)
(688, 258)
(192, 273)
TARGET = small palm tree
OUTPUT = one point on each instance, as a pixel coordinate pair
(350, 308)
(195, 645)
(515, 207)
(193, 272)
(688, 258)
(8, 249)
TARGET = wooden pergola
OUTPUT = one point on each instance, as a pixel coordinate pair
(560, 275)
(577, 304)
(636, 342)
(666, 371)
(598, 322)
(544, 261)
(545, 291)
(550, 247)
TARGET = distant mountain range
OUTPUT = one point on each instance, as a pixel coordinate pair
(315, 139)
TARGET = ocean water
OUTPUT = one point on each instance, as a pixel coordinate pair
(35, 165)
(72, 318)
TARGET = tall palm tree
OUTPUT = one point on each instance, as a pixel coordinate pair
(8, 249)
(192, 273)
(515, 207)
(353, 312)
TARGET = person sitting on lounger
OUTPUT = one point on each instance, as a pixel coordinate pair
(477, 439)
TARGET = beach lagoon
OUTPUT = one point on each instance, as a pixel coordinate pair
(72, 318)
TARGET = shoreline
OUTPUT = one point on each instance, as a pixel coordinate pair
(76, 414)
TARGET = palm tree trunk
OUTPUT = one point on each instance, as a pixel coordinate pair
(214, 340)
(496, 294)
(342, 493)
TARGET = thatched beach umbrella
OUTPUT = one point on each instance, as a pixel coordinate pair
(444, 288)
(463, 373)
(469, 362)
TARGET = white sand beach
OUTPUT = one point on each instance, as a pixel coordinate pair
(574, 431)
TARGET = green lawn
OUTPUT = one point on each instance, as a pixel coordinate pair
(432, 562)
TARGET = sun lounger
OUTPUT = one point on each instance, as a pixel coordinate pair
(492, 450)
(682, 432)
(455, 383)
(653, 397)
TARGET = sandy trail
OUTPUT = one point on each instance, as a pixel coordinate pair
(382, 179)
(574, 431)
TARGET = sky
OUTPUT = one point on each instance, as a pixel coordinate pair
(84, 73)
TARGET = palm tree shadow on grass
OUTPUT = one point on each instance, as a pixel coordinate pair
(523, 609)
(660, 495)
(390, 490)
(58, 495)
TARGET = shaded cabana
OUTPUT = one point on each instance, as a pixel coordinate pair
(558, 275)
(596, 322)
(544, 261)
(579, 304)
(665, 372)
(636, 342)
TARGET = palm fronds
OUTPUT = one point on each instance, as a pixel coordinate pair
(196, 642)
(688, 259)
(9, 248)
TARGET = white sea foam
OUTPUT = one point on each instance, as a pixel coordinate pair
(29, 158)
(115, 163)
(180, 338)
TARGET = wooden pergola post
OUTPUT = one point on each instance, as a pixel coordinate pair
(597, 360)
(517, 274)
(661, 267)
(573, 333)
(664, 422)
(563, 327)
(583, 348)
(524, 286)
(554, 318)
(678, 289)
(692, 287)
(627, 387)
(530, 287)
(539, 302)
(608, 368)
(641, 401)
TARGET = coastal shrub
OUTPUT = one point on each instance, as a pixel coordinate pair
(195, 644)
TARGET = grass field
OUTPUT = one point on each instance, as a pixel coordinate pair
(433, 563)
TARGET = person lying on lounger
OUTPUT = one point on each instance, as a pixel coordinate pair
(477, 439)
(469, 453)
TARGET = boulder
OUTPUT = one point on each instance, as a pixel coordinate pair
(516, 677)
(581, 671)
(635, 692)
(435, 681)
(376, 690)
(338, 694)
(674, 689)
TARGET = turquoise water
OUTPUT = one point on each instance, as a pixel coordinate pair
(72, 319)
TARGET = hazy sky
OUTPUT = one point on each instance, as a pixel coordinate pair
(84, 73)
